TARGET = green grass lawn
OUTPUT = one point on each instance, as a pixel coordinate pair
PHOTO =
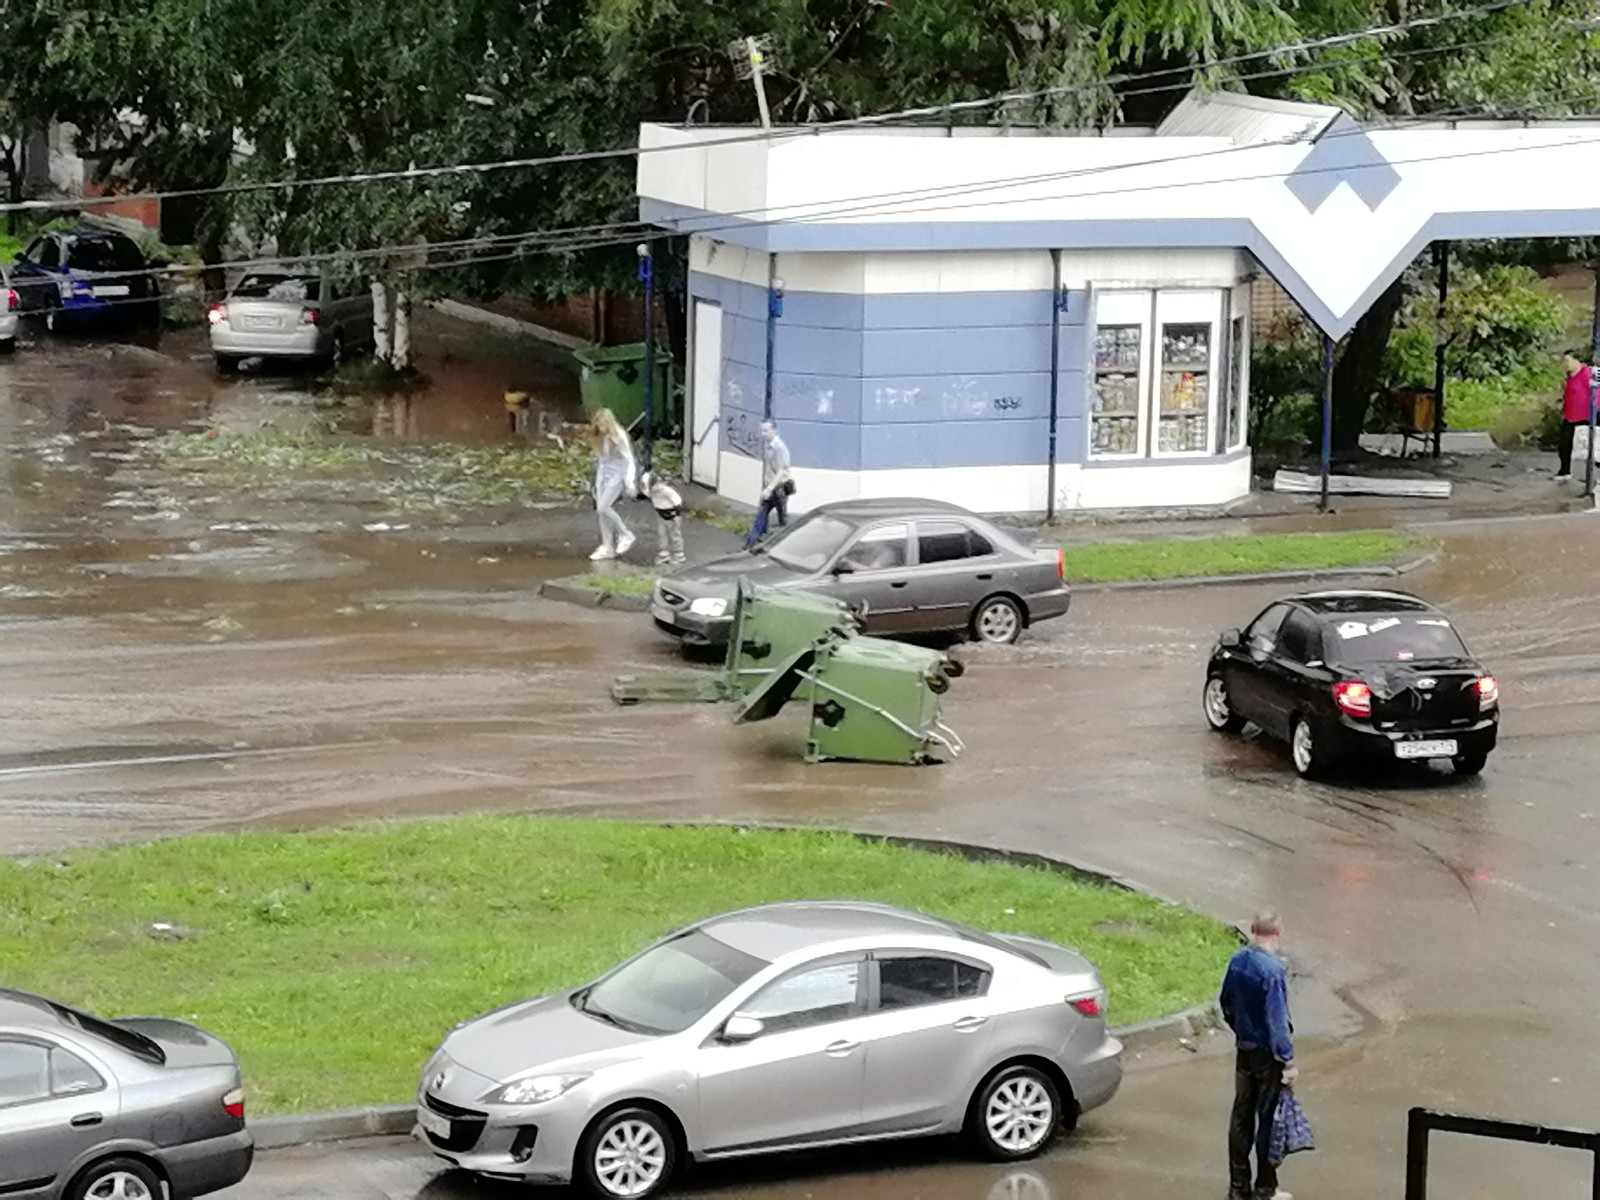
(1233, 554)
(617, 583)
(333, 961)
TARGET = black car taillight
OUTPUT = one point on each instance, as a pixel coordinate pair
(1353, 697)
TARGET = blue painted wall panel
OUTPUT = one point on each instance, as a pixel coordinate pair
(955, 351)
(801, 348)
(954, 444)
(835, 399)
(824, 444)
(921, 398)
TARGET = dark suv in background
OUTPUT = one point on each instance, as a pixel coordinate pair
(76, 277)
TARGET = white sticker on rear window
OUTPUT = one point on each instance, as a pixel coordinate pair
(1383, 623)
(1352, 629)
(1439, 621)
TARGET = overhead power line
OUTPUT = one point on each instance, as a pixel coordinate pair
(411, 174)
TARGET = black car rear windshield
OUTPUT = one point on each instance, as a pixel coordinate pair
(135, 1044)
(105, 254)
(1395, 637)
(810, 544)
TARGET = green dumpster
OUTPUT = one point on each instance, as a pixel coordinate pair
(613, 377)
(770, 625)
(870, 700)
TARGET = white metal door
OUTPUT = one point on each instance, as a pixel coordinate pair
(705, 394)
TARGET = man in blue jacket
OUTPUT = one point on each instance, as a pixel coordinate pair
(1255, 1004)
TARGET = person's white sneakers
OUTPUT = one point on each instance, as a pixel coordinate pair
(601, 553)
(1280, 1194)
(625, 543)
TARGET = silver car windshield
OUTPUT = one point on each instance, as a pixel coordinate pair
(669, 987)
(811, 543)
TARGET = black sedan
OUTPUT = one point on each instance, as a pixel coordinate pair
(1365, 676)
(906, 566)
(72, 277)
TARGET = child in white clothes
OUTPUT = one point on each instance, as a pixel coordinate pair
(669, 518)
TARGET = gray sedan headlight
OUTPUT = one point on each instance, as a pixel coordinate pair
(536, 1089)
(709, 606)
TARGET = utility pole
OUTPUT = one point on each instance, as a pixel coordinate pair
(752, 59)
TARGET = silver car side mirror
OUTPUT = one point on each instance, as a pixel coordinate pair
(740, 1028)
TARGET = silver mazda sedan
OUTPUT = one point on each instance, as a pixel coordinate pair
(773, 1028)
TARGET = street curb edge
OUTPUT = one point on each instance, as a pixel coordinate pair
(587, 597)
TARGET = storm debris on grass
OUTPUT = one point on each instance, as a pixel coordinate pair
(334, 960)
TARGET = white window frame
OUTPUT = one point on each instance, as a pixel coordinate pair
(1121, 306)
(1186, 307)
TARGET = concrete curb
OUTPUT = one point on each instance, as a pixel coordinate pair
(1381, 571)
(377, 1120)
(588, 597)
(300, 1129)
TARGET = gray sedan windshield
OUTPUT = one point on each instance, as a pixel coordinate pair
(671, 986)
(810, 544)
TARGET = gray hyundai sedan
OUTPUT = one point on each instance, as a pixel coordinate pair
(132, 1109)
(906, 566)
(775, 1028)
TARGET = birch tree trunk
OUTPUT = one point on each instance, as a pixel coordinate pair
(381, 341)
(400, 352)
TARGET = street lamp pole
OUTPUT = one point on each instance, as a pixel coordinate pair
(1594, 384)
(647, 277)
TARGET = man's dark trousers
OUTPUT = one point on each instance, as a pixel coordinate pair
(1257, 1082)
(777, 503)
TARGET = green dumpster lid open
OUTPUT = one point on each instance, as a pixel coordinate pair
(777, 689)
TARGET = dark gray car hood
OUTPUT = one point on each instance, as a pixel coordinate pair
(543, 1033)
(720, 576)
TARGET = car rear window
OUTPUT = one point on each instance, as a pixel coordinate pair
(1395, 637)
(133, 1043)
(292, 289)
(105, 254)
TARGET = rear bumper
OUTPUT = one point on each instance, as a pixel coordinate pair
(209, 1166)
(1044, 605)
(8, 326)
(1096, 1077)
(304, 341)
(1356, 740)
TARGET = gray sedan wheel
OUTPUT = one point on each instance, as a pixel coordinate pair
(997, 620)
(116, 1179)
(626, 1155)
(1015, 1113)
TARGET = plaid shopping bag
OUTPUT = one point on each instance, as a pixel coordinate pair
(1291, 1132)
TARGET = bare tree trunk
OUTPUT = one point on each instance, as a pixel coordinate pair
(380, 320)
(1356, 376)
(400, 355)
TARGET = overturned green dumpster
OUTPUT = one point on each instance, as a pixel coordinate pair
(869, 700)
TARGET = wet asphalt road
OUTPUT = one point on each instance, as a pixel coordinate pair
(1445, 929)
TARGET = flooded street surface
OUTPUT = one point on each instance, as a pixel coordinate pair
(177, 661)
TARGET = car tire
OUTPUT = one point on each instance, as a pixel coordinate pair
(1470, 764)
(628, 1154)
(336, 350)
(9, 346)
(1310, 761)
(997, 620)
(1214, 703)
(227, 364)
(1015, 1113)
(118, 1178)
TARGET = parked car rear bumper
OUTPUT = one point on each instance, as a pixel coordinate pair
(1096, 1077)
(304, 341)
(1044, 605)
(8, 323)
(1359, 740)
(209, 1166)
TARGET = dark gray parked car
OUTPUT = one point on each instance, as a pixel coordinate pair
(907, 566)
(131, 1109)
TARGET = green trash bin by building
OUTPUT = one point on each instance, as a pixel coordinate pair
(613, 377)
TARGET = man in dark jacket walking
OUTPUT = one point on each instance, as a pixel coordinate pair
(1255, 1004)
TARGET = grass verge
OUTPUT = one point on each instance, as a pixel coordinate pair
(617, 583)
(1231, 554)
(334, 960)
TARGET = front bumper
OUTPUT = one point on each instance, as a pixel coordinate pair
(302, 341)
(533, 1145)
(209, 1166)
(1361, 741)
(688, 627)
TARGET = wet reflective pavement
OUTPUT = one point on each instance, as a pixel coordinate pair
(277, 662)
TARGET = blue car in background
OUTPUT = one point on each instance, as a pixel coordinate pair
(82, 276)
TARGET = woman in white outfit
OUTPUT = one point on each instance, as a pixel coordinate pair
(615, 475)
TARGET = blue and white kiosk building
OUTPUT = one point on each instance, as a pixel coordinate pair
(932, 312)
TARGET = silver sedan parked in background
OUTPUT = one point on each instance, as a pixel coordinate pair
(132, 1109)
(10, 304)
(285, 315)
(775, 1028)
(907, 566)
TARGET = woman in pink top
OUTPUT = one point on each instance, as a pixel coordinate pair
(1574, 408)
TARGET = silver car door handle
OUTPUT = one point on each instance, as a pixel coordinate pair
(840, 1049)
(85, 1119)
(968, 1024)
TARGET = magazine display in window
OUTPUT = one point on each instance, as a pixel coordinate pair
(1114, 413)
(1185, 389)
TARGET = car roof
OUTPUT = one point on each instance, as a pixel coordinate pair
(770, 931)
(1353, 601)
(93, 233)
(24, 1008)
(901, 506)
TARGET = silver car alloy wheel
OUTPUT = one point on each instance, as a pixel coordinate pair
(1301, 746)
(1216, 700)
(630, 1158)
(1019, 1114)
(997, 622)
(119, 1185)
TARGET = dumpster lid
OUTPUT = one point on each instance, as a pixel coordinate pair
(777, 689)
(627, 352)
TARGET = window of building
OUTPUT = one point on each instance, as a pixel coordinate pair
(1154, 390)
